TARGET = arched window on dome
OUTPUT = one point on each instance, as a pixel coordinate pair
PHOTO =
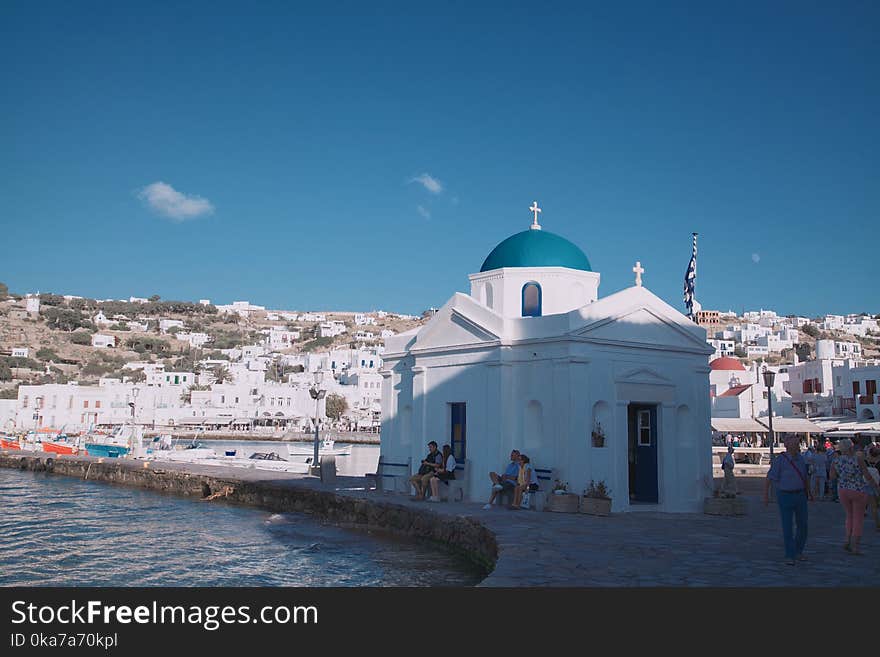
(531, 300)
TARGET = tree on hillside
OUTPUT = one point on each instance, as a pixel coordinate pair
(63, 319)
(134, 376)
(221, 374)
(810, 330)
(9, 393)
(804, 351)
(335, 406)
(81, 337)
(49, 299)
(155, 298)
(5, 371)
(46, 354)
(4, 291)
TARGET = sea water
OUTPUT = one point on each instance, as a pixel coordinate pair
(62, 531)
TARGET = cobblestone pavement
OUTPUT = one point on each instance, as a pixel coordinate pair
(641, 548)
(660, 549)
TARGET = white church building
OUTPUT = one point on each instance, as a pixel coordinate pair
(534, 359)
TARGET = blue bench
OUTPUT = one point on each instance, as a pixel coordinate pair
(391, 477)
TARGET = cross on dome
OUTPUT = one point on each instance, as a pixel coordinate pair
(638, 270)
(535, 210)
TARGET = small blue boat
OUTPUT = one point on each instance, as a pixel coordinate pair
(106, 450)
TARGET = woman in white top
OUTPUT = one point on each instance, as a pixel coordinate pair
(444, 473)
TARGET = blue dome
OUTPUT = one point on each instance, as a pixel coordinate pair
(536, 248)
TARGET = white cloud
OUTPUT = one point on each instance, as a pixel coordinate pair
(429, 182)
(756, 258)
(167, 201)
(424, 212)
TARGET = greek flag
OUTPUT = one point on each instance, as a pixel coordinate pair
(690, 277)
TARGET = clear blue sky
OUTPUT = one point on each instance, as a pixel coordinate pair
(297, 135)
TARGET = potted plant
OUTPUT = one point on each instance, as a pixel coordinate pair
(560, 487)
(561, 501)
(597, 499)
(598, 435)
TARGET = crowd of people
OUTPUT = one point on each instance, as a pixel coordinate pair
(845, 472)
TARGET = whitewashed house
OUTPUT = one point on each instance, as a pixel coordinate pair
(166, 325)
(280, 338)
(331, 329)
(102, 340)
(194, 340)
(534, 359)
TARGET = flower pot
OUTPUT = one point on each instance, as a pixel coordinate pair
(565, 503)
(598, 441)
(596, 506)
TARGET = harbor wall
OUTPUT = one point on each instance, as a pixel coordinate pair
(368, 511)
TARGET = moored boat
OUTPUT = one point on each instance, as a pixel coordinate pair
(326, 447)
(60, 447)
(9, 443)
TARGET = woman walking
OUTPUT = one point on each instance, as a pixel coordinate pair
(854, 484)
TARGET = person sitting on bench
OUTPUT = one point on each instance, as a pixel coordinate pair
(429, 466)
(526, 481)
(506, 482)
(444, 473)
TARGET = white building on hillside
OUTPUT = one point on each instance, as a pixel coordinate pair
(101, 340)
(855, 389)
(533, 359)
(166, 325)
(280, 338)
(194, 340)
(331, 329)
(860, 326)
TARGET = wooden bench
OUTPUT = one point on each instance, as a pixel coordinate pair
(391, 477)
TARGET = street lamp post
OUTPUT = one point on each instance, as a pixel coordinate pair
(769, 377)
(134, 395)
(317, 394)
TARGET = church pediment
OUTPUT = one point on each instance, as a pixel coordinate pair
(451, 327)
(644, 375)
(641, 327)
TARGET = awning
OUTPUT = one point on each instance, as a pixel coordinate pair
(791, 425)
(737, 425)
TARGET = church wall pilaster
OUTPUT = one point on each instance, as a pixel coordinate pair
(669, 463)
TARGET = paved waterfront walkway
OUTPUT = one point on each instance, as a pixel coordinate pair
(653, 549)
(657, 549)
(641, 548)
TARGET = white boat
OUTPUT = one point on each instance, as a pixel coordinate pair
(327, 447)
(261, 461)
(163, 448)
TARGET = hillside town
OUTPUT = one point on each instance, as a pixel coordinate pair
(73, 364)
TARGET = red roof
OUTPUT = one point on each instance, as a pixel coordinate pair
(735, 391)
(727, 363)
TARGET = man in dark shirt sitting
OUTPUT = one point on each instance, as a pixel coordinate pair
(429, 466)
